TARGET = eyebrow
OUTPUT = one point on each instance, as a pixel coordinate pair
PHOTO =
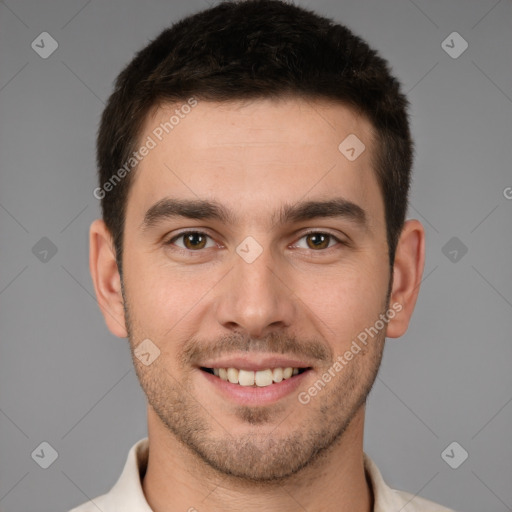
(170, 208)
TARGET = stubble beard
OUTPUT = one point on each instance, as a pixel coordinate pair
(259, 457)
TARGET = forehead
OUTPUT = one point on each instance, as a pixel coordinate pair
(252, 155)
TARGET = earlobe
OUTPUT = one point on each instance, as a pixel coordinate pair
(407, 274)
(106, 278)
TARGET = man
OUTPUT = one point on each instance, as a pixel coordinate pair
(254, 165)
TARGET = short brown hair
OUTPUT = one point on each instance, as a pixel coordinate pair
(257, 49)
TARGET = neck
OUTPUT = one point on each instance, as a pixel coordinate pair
(176, 479)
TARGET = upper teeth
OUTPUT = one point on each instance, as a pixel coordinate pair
(249, 378)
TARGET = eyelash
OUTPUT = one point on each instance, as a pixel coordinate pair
(171, 241)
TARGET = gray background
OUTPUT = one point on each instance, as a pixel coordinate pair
(66, 380)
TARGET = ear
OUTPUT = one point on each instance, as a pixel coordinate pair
(106, 278)
(407, 274)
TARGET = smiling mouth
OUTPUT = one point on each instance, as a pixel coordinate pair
(260, 378)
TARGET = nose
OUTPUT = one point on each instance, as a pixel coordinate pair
(255, 297)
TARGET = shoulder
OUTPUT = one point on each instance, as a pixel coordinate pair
(126, 494)
(387, 499)
(412, 503)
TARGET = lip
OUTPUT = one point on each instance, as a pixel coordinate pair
(256, 362)
(253, 396)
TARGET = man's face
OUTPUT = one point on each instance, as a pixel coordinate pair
(259, 290)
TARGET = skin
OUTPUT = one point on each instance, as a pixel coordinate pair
(299, 297)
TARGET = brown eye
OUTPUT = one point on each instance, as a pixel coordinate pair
(318, 240)
(192, 240)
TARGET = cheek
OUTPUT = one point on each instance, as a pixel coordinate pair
(345, 302)
(162, 299)
(151, 298)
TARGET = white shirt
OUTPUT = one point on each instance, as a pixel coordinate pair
(127, 494)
